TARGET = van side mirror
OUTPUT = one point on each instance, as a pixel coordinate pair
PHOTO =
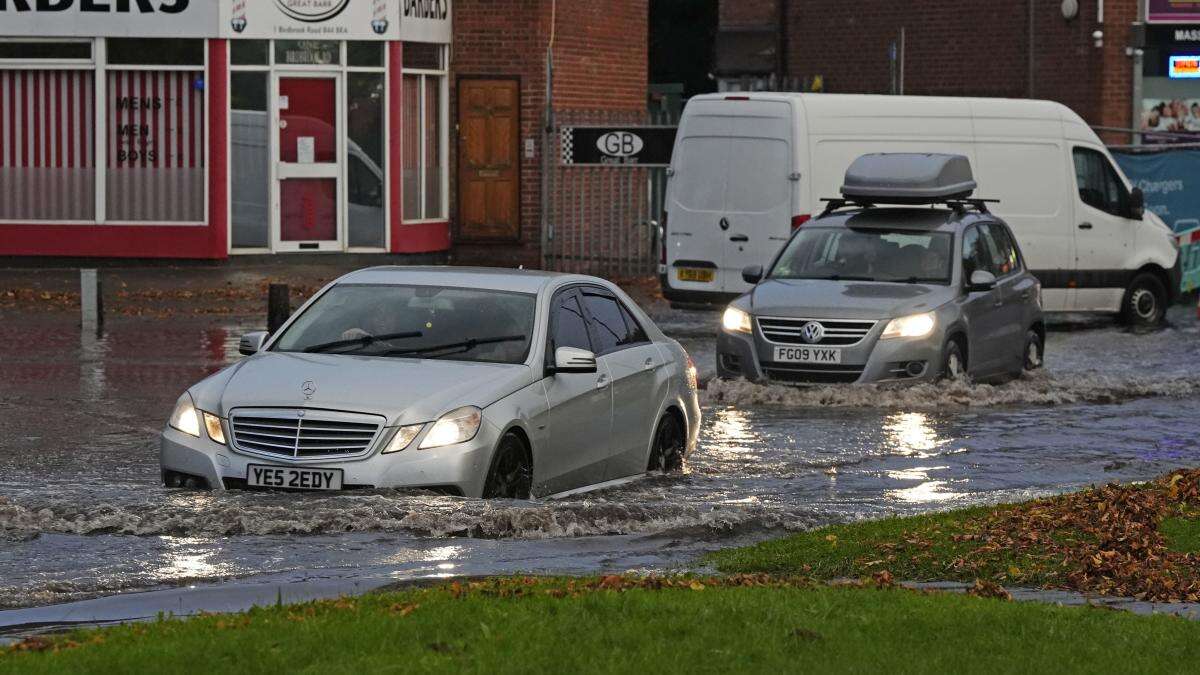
(573, 360)
(1137, 204)
(752, 274)
(251, 343)
(981, 282)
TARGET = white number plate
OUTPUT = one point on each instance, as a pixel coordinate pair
(807, 355)
(291, 478)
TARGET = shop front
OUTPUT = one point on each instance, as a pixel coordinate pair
(1170, 104)
(202, 129)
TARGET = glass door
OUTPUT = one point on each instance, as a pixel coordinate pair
(308, 166)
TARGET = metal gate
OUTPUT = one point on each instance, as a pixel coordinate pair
(601, 220)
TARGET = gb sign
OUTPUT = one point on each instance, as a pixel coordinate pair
(620, 146)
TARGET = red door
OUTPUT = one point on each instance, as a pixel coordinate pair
(308, 166)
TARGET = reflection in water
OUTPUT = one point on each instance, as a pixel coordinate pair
(911, 434)
(188, 558)
(731, 433)
(931, 491)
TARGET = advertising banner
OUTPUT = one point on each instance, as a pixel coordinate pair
(108, 18)
(617, 146)
(1171, 182)
(1173, 11)
(310, 19)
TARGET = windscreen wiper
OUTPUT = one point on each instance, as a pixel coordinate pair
(920, 280)
(452, 347)
(363, 341)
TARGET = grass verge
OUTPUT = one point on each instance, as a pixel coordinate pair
(621, 625)
(1132, 540)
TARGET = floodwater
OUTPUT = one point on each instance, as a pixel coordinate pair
(82, 513)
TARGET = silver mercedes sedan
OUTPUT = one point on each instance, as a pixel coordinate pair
(475, 382)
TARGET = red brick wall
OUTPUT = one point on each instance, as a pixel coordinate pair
(600, 64)
(959, 48)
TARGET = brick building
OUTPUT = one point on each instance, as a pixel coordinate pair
(1003, 48)
(180, 129)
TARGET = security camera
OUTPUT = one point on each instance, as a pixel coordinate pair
(1098, 38)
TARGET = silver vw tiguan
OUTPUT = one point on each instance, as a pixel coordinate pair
(934, 287)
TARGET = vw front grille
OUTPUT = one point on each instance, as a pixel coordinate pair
(835, 332)
(304, 434)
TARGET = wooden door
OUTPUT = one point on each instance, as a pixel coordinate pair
(489, 162)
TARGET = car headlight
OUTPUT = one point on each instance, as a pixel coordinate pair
(403, 437)
(184, 417)
(456, 426)
(213, 424)
(736, 321)
(914, 326)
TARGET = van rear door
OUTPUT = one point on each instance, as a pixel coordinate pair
(730, 198)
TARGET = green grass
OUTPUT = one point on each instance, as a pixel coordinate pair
(914, 548)
(715, 629)
(1182, 533)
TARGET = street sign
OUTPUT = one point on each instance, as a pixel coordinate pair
(617, 146)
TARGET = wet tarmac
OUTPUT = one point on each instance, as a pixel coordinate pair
(82, 513)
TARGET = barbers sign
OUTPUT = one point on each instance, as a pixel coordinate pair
(310, 19)
(617, 146)
(108, 18)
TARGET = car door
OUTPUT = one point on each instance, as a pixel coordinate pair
(1016, 290)
(1103, 231)
(635, 366)
(983, 309)
(580, 414)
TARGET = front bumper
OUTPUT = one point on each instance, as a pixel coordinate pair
(460, 468)
(870, 360)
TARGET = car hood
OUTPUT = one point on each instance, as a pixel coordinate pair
(406, 391)
(825, 299)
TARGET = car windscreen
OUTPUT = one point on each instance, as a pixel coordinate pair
(415, 322)
(840, 253)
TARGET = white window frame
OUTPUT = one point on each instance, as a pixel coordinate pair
(444, 135)
(100, 68)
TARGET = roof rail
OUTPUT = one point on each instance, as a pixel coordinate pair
(959, 205)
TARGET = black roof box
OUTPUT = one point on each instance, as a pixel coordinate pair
(908, 178)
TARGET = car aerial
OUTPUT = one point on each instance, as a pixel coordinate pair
(870, 293)
(473, 382)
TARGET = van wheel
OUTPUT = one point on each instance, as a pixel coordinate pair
(1034, 350)
(1145, 303)
(667, 452)
(511, 475)
(954, 364)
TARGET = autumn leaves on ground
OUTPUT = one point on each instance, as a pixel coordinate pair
(825, 601)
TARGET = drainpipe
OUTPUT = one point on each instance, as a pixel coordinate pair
(781, 43)
(547, 142)
(1135, 50)
(1032, 60)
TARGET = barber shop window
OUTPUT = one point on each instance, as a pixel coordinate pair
(48, 132)
(365, 163)
(423, 140)
(156, 126)
(1099, 185)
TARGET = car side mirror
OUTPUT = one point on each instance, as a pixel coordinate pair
(752, 274)
(251, 343)
(981, 281)
(574, 360)
(1137, 204)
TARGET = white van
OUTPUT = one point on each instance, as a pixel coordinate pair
(748, 168)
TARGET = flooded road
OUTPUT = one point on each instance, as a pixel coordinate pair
(82, 513)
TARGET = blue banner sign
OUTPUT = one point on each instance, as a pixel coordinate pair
(1171, 181)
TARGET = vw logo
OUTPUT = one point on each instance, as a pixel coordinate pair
(812, 332)
(308, 389)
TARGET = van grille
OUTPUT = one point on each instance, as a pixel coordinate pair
(812, 373)
(304, 434)
(837, 332)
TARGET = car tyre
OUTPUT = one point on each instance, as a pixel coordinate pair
(1145, 303)
(1035, 351)
(511, 473)
(954, 363)
(667, 452)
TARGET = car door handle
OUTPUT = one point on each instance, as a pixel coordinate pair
(602, 382)
(724, 223)
(1085, 226)
(648, 364)
(739, 237)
